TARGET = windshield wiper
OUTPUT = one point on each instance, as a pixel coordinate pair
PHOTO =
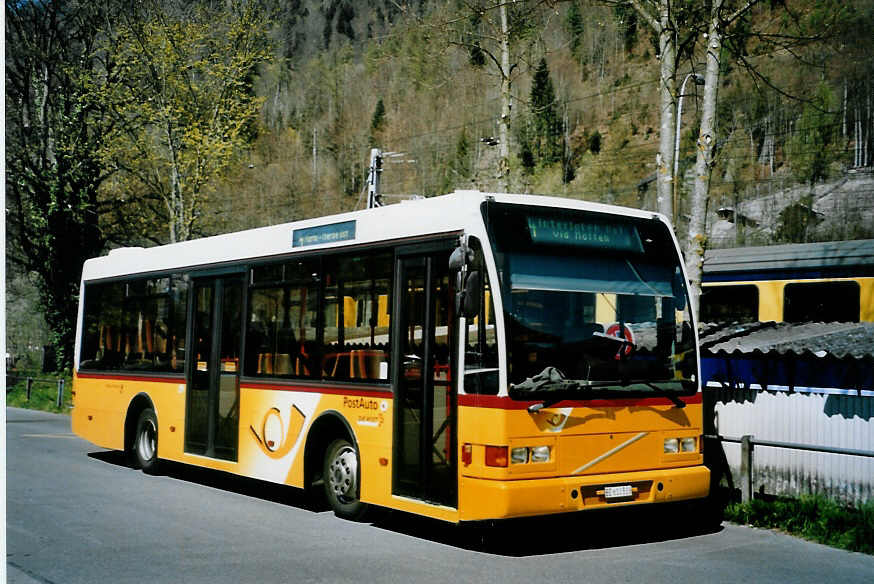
(552, 382)
(678, 403)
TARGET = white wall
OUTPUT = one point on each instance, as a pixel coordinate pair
(842, 421)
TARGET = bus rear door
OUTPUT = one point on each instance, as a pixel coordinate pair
(212, 409)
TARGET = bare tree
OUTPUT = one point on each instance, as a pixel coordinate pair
(659, 16)
(489, 29)
(724, 18)
(179, 87)
(706, 144)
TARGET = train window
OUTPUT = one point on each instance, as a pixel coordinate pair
(730, 303)
(821, 302)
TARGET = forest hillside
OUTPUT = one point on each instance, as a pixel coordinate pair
(792, 113)
(164, 120)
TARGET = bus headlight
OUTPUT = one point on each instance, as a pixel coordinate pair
(672, 445)
(519, 455)
(540, 454)
(526, 454)
(688, 444)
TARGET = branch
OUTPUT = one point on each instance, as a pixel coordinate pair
(649, 18)
(738, 13)
(757, 75)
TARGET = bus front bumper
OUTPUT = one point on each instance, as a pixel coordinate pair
(498, 499)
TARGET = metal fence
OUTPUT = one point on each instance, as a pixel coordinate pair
(787, 443)
(748, 443)
(11, 380)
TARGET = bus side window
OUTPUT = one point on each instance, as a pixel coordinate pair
(356, 317)
(137, 325)
(282, 320)
(481, 350)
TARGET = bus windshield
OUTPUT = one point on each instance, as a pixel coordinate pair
(594, 304)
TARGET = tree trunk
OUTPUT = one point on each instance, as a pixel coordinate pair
(697, 240)
(668, 69)
(504, 125)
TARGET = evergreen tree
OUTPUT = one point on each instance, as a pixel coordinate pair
(546, 126)
(377, 124)
(626, 17)
(461, 164)
(813, 146)
(378, 121)
(594, 143)
(575, 28)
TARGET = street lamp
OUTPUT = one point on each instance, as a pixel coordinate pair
(698, 80)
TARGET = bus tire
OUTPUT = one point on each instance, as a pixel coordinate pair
(145, 445)
(341, 474)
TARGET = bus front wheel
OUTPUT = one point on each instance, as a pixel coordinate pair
(342, 480)
(145, 446)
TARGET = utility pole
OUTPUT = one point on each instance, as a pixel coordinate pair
(374, 199)
(315, 162)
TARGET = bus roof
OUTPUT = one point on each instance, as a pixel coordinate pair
(446, 214)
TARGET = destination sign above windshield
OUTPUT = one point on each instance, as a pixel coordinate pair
(324, 234)
(618, 236)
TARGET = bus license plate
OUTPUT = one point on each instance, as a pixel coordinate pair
(617, 492)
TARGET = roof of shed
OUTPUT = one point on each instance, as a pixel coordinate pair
(836, 339)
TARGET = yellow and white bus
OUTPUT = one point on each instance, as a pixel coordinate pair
(466, 357)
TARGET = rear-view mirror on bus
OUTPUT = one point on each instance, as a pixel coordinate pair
(470, 305)
(458, 259)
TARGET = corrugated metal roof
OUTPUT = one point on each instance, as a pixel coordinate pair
(794, 256)
(836, 339)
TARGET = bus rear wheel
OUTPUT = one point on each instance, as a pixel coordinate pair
(145, 446)
(342, 480)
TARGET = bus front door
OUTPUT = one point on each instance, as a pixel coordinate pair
(425, 463)
(212, 408)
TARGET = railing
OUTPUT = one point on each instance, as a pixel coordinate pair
(29, 386)
(747, 447)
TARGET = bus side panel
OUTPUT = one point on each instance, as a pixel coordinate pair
(275, 426)
(96, 415)
(101, 403)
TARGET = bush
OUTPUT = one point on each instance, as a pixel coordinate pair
(44, 392)
(812, 517)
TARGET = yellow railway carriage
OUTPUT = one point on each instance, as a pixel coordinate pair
(467, 357)
(798, 282)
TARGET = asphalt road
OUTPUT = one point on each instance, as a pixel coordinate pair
(76, 513)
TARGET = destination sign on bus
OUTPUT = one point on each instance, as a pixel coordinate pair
(619, 236)
(324, 234)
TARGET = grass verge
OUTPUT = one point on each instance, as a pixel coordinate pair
(43, 392)
(811, 517)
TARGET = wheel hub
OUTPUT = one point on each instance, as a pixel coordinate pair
(146, 442)
(342, 475)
